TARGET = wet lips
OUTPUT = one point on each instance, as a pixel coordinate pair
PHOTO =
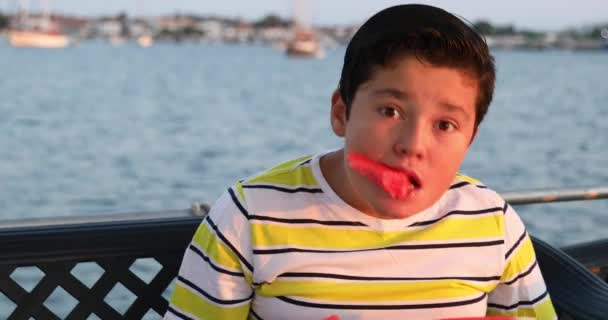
(397, 183)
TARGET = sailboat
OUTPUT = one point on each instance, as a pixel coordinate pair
(304, 44)
(145, 40)
(36, 32)
(305, 41)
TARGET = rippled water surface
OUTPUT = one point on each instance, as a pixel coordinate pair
(100, 129)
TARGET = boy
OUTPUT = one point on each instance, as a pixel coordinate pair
(383, 228)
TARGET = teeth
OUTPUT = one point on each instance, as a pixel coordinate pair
(414, 182)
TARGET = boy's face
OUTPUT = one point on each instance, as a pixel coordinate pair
(411, 116)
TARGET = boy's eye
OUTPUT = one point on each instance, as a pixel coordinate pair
(446, 126)
(389, 112)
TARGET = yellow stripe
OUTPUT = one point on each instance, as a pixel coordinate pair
(288, 164)
(374, 291)
(450, 229)
(462, 177)
(187, 301)
(215, 249)
(239, 189)
(523, 312)
(285, 174)
(545, 310)
(542, 311)
(218, 252)
(519, 260)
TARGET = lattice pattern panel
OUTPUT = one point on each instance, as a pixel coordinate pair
(109, 288)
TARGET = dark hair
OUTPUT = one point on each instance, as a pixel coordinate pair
(430, 34)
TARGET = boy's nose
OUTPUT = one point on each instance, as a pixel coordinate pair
(411, 141)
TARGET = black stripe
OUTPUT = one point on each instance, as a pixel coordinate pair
(400, 247)
(310, 221)
(521, 238)
(447, 245)
(349, 277)
(520, 303)
(382, 307)
(464, 183)
(505, 207)
(210, 297)
(223, 238)
(238, 203)
(303, 163)
(525, 273)
(216, 268)
(459, 184)
(287, 250)
(179, 314)
(456, 212)
(255, 315)
(287, 190)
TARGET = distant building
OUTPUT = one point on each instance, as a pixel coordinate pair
(212, 28)
(506, 41)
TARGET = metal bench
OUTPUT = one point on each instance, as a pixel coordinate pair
(108, 267)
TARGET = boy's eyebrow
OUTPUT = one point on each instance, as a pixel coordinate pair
(396, 93)
(390, 92)
(455, 108)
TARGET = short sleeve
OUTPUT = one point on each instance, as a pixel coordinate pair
(214, 280)
(522, 292)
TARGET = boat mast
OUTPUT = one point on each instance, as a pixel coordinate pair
(301, 15)
(46, 15)
(23, 13)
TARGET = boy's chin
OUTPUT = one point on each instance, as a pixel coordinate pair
(386, 207)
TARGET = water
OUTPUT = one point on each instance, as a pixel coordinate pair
(100, 129)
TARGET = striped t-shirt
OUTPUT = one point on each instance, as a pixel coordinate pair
(283, 245)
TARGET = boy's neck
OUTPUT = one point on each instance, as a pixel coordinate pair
(333, 169)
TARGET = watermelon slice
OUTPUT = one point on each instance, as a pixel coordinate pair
(399, 184)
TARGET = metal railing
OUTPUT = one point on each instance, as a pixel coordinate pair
(556, 195)
(123, 266)
(113, 266)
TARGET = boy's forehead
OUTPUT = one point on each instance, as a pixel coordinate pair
(400, 64)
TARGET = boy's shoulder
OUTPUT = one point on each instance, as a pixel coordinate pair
(473, 190)
(296, 172)
(463, 179)
(279, 182)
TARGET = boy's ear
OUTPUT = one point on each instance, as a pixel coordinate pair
(338, 114)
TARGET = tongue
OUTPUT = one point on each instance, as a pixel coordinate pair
(396, 183)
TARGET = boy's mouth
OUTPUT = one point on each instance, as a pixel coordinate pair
(399, 183)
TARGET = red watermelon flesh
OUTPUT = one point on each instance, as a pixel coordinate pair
(397, 183)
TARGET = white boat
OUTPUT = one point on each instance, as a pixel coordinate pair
(304, 44)
(145, 40)
(37, 39)
(305, 41)
(36, 32)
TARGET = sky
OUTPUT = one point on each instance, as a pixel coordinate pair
(533, 14)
